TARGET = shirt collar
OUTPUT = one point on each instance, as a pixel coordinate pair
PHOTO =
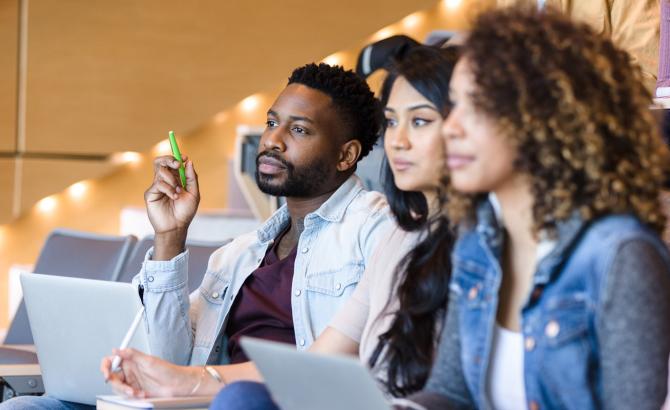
(332, 210)
(568, 231)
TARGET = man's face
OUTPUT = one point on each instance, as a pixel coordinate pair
(299, 149)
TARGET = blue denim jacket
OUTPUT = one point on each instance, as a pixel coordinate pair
(559, 318)
(338, 240)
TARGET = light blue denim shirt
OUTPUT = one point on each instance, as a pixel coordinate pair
(333, 250)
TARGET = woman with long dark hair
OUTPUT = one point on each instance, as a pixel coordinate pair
(392, 320)
(404, 293)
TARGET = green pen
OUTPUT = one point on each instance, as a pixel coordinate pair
(177, 155)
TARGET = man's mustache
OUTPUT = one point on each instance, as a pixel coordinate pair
(273, 155)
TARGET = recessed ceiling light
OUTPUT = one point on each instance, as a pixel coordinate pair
(47, 205)
(78, 190)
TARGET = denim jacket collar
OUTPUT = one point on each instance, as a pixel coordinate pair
(567, 234)
(332, 210)
(490, 227)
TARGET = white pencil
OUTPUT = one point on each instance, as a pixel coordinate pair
(126, 340)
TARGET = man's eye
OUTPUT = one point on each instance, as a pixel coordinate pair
(271, 123)
(299, 130)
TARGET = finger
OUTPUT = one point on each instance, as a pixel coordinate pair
(117, 378)
(163, 188)
(167, 161)
(130, 354)
(105, 366)
(191, 179)
(132, 380)
(167, 175)
(120, 387)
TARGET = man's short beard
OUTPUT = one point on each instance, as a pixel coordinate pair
(303, 182)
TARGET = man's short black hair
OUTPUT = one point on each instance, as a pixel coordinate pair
(351, 96)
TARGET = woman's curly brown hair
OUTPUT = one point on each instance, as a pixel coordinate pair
(576, 109)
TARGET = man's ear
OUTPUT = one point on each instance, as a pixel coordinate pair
(350, 151)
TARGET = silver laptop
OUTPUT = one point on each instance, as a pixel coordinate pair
(75, 323)
(307, 381)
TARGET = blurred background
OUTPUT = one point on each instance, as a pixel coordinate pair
(90, 88)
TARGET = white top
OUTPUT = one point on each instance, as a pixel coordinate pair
(505, 386)
(540, 4)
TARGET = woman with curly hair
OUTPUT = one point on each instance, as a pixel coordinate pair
(561, 289)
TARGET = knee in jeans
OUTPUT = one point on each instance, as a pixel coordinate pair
(243, 395)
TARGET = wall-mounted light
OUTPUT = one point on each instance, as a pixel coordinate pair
(128, 157)
(78, 190)
(250, 103)
(162, 148)
(47, 205)
(333, 59)
(412, 21)
(452, 4)
(383, 33)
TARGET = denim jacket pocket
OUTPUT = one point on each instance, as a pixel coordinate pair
(565, 354)
(468, 282)
(212, 292)
(334, 282)
(213, 289)
(566, 319)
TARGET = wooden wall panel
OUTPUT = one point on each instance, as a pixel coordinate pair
(43, 177)
(9, 35)
(108, 76)
(7, 184)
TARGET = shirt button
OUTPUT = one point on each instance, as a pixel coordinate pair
(474, 291)
(150, 278)
(552, 329)
(298, 292)
(338, 286)
(302, 342)
(215, 295)
(529, 343)
(305, 250)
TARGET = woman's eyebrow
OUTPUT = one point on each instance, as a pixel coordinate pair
(421, 107)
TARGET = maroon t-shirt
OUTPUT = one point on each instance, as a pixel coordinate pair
(262, 308)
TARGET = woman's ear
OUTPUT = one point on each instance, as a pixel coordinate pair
(349, 154)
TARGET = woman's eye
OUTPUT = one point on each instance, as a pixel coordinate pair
(420, 122)
(390, 123)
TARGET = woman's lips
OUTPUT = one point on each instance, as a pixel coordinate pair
(456, 161)
(401, 164)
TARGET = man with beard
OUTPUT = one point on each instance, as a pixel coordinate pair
(282, 282)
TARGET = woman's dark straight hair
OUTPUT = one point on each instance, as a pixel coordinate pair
(422, 277)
